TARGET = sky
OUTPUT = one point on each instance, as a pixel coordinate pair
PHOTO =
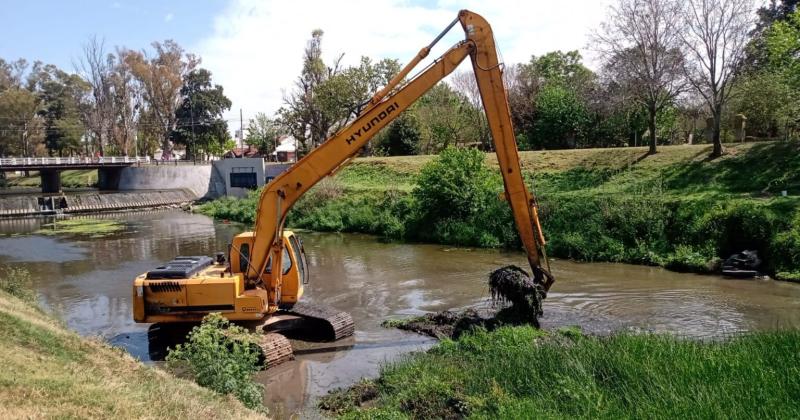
(253, 48)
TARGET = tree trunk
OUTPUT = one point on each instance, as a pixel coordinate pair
(651, 125)
(715, 135)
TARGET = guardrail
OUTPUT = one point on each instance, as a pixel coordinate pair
(67, 161)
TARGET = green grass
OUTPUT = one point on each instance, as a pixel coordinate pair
(520, 372)
(675, 209)
(94, 228)
(78, 178)
(50, 372)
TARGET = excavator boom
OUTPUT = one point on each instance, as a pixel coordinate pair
(284, 191)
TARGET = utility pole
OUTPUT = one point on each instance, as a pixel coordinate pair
(241, 132)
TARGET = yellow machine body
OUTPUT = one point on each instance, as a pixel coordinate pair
(218, 289)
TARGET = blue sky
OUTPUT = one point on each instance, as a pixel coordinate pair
(254, 48)
(53, 31)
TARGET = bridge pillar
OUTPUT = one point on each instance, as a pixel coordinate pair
(51, 180)
(108, 178)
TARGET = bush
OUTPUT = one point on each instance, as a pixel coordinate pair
(456, 202)
(221, 357)
(17, 283)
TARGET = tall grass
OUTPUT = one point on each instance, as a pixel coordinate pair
(520, 372)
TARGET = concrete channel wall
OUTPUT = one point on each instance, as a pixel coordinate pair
(88, 202)
(195, 178)
(151, 186)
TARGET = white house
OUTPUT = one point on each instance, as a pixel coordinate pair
(286, 150)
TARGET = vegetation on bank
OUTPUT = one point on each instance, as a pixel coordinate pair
(73, 178)
(51, 372)
(521, 372)
(676, 208)
(222, 357)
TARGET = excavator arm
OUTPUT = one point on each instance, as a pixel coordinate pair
(282, 193)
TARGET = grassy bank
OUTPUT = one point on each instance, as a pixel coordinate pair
(520, 372)
(50, 372)
(74, 178)
(676, 208)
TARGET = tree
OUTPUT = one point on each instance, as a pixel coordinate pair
(127, 103)
(444, 119)
(18, 111)
(768, 14)
(263, 132)
(325, 98)
(301, 115)
(782, 41)
(401, 137)
(560, 118)
(464, 83)
(11, 73)
(96, 67)
(199, 122)
(62, 96)
(716, 36)
(160, 78)
(18, 122)
(641, 45)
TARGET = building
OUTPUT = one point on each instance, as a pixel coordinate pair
(286, 150)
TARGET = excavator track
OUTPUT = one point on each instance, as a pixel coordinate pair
(331, 323)
(275, 349)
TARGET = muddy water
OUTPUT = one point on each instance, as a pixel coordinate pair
(87, 282)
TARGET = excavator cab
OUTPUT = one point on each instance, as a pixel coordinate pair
(294, 271)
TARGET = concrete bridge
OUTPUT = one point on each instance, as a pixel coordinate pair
(108, 168)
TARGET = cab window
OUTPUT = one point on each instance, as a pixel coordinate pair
(286, 263)
(298, 257)
(244, 257)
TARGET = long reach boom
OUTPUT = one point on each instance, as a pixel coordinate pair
(283, 192)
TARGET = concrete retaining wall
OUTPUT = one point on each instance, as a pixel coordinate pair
(195, 178)
(31, 205)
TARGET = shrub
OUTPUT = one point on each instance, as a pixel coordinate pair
(456, 202)
(17, 283)
(454, 184)
(221, 357)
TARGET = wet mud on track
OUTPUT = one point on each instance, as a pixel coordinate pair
(87, 282)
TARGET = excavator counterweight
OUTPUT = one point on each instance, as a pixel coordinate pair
(246, 286)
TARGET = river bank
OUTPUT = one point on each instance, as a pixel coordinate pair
(521, 372)
(675, 209)
(49, 371)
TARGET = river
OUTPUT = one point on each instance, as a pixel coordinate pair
(86, 282)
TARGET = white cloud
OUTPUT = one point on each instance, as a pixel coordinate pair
(168, 17)
(255, 48)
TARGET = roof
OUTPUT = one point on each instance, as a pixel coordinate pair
(286, 144)
(249, 151)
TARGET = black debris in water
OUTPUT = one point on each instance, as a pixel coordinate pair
(518, 294)
(512, 285)
(446, 324)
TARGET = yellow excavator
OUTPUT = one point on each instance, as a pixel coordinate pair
(245, 286)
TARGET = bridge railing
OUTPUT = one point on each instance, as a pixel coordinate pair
(67, 161)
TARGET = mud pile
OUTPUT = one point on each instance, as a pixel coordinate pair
(512, 285)
(517, 294)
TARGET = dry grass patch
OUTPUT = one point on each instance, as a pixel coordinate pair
(51, 372)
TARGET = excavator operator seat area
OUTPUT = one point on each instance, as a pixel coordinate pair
(293, 264)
